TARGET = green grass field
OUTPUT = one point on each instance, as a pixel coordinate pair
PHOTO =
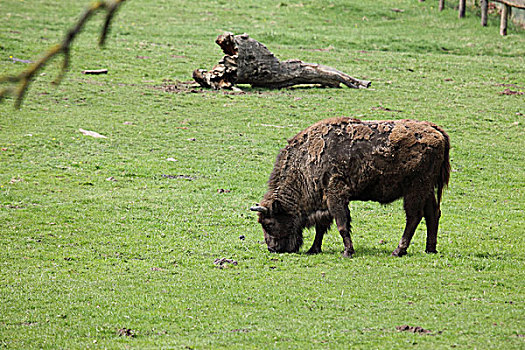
(111, 242)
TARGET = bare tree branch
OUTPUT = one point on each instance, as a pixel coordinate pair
(20, 82)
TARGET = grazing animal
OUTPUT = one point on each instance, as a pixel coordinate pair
(339, 160)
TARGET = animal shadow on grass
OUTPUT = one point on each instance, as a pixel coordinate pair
(359, 251)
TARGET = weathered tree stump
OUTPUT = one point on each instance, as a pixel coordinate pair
(247, 61)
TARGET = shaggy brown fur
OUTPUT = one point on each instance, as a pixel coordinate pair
(339, 160)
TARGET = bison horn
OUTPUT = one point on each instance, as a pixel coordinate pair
(259, 209)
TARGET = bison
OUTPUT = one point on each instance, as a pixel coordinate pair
(339, 160)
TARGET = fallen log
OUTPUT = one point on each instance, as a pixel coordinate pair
(247, 61)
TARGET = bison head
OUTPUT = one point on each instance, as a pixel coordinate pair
(282, 231)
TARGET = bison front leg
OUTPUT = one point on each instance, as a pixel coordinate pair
(320, 230)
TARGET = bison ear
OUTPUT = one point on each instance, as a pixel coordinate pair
(259, 209)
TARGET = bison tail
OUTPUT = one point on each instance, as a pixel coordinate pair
(444, 174)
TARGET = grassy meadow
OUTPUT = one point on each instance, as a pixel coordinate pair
(111, 242)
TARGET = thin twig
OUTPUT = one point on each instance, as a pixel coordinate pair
(22, 80)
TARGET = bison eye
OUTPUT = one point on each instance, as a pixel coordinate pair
(267, 226)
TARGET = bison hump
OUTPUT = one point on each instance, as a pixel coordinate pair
(407, 133)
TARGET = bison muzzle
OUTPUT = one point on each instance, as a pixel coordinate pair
(339, 160)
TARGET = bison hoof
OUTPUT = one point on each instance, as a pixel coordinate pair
(399, 252)
(348, 254)
(313, 251)
(431, 251)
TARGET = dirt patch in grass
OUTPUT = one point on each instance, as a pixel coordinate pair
(517, 89)
(386, 109)
(511, 92)
(241, 330)
(11, 206)
(179, 177)
(413, 329)
(224, 262)
(178, 87)
(126, 332)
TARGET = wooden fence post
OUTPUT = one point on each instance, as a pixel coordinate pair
(484, 12)
(504, 16)
(462, 8)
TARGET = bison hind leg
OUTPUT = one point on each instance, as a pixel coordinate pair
(342, 220)
(432, 214)
(337, 203)
(414, 205)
